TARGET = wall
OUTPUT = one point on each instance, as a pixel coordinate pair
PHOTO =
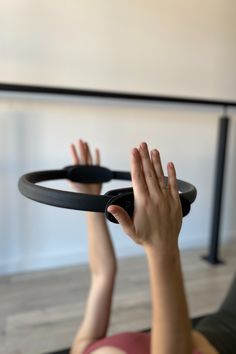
(167, 47)
(175, 48)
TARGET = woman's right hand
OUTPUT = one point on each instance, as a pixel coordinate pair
(157, 217)
(81, 155)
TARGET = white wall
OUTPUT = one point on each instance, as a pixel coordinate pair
(177, 48)
(168, 47)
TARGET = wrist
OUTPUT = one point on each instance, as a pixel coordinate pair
(160, 252)
(94, 216)
(163, 264)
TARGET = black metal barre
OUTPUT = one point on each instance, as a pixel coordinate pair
(67, 91)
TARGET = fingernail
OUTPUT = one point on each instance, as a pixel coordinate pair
(109, 209)
(155, 152)
(171, 165)
(143, 145)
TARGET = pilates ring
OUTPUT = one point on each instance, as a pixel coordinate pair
(123, 197)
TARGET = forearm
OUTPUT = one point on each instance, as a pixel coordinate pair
(102, 257)
(171, 329)
(102, 263)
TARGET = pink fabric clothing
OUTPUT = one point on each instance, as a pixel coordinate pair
(129, 342)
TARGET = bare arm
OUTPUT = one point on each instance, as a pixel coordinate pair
(103, 269)
(156, 224)
(102, 262)
(171, 329)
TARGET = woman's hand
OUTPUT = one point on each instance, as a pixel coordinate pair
(82, 156)
(157, 217)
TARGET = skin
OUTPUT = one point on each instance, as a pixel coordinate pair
(102, 261)
(155, 225)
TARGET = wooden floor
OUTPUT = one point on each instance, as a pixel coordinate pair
(40, 311)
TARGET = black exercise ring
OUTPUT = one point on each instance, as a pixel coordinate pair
(88, 202)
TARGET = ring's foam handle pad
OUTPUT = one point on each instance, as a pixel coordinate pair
(88, 174)
(123, 197)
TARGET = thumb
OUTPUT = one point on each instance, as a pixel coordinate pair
(122, 217)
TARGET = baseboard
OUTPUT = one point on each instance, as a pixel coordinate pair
(50, 261)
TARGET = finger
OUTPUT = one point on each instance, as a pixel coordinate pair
(138, 180)
(97, 157)
(82, 151)
(172, 182)
(88, 153)
(156, 161)
(148, 170)
(122, 217)
(74, 154)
